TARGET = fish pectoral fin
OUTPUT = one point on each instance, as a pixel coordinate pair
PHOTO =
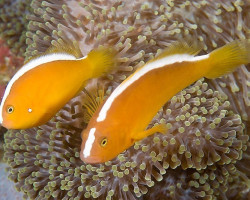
(160, 128)
(92, 101)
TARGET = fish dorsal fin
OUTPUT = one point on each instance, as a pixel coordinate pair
(181, 47)
(60, 46)
(63, 46)
(92, 101)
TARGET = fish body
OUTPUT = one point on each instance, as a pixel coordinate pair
(124, 117)
(46, 83)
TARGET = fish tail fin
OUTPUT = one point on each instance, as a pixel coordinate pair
(102, 60)
(227, 58)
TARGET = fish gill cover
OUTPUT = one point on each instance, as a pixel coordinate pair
(203, 156)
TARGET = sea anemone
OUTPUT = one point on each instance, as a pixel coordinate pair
(45, 161)
(7, 187)
(214, 182)
(139, 35)
(207, 139)
(13, 24)
(2, 131)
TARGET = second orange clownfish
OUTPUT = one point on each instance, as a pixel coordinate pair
(123, 118)
(46, 83)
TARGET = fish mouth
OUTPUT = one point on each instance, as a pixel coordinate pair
(8, 125)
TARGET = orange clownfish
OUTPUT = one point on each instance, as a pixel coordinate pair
(123, 118)
(46, 83)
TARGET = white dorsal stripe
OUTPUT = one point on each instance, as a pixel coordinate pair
(89, 143)
(31, 65)
(145, 69)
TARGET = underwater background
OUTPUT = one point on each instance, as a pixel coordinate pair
(205, 154)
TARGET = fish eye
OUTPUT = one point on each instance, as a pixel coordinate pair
(104, 142)
(10, 109)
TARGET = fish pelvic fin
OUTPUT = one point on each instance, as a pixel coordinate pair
(159, 128)
(92, 102)
(227, 58)
(103, 60)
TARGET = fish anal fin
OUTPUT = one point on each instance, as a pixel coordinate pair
(94, 98)
(159, 128)
(227, 58)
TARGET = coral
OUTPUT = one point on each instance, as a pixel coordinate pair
(206, 146)
(13, 23)
(9, 64)
(2, 89)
